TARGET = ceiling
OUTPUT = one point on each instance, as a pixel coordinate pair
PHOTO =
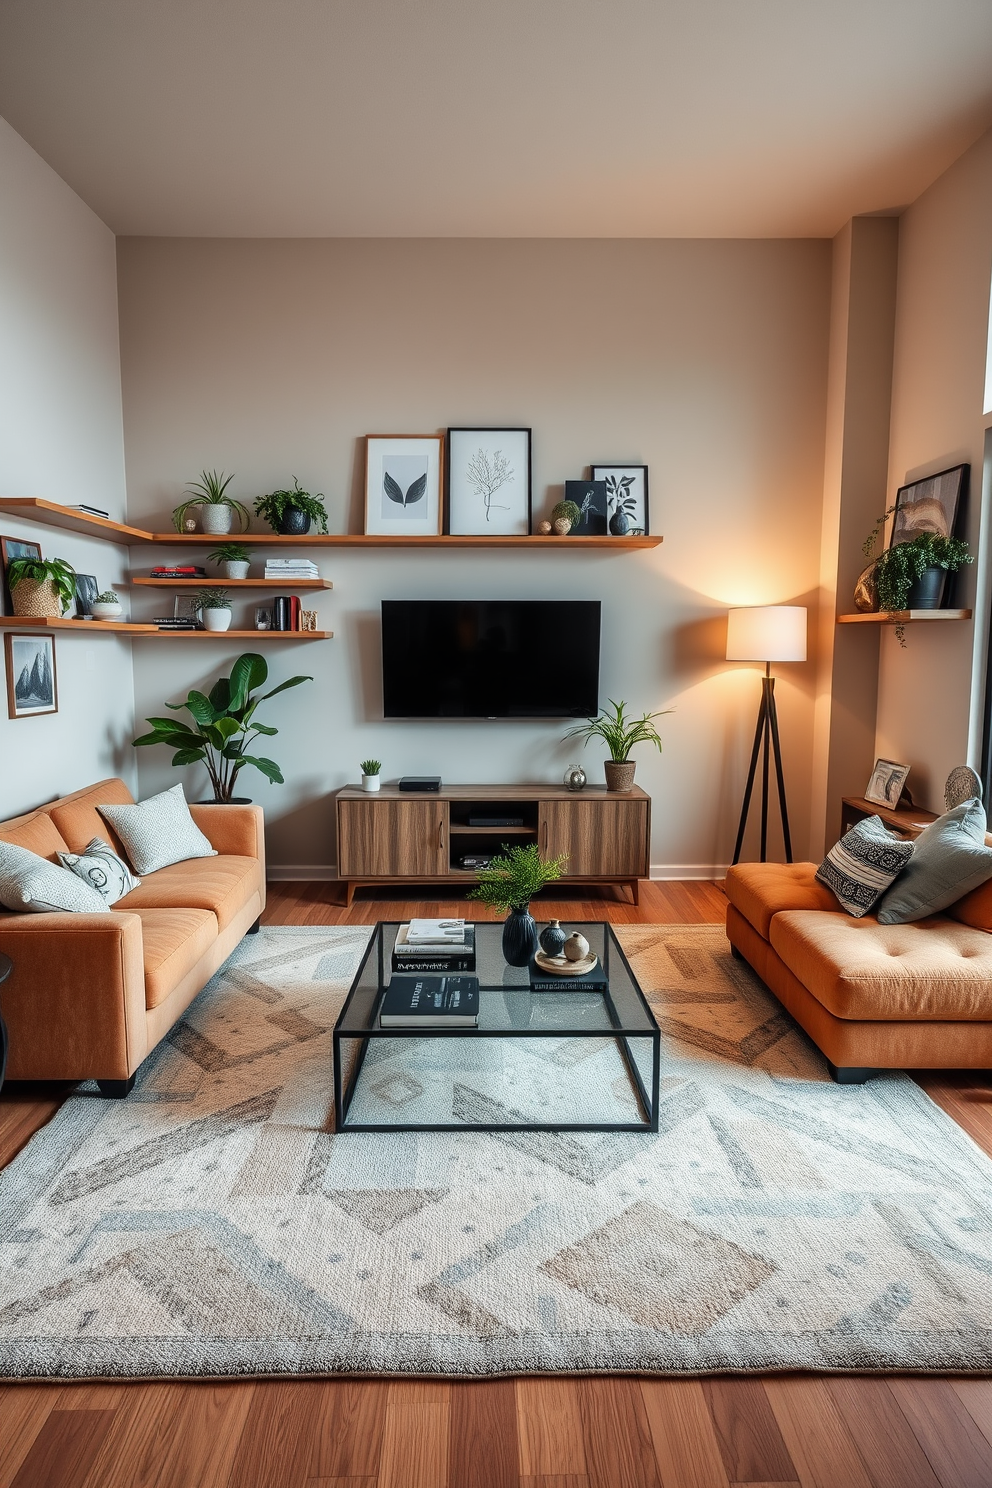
(495, 118)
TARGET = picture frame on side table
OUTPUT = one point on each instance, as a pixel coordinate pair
(929, 505)
(403, 481)
(626, 489)
(32, 684)
(11, 548)
(886, 783)
(489, 483)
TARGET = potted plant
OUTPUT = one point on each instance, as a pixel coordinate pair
(233, 559)
(910, 575)
(508, 885)
(41, 588)
(291, 512)
(370, 774)
(215, 609)
(620, 734)
(107, 606)
(223, 727)
(216, 509)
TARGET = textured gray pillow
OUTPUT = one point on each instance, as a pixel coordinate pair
(99, 866)
(860, 867)
(950, 860)
(158, 832)
(33, 885)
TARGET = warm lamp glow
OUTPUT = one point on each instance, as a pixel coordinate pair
(767, 633)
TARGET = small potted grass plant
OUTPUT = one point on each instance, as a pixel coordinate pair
(620, 733)
(214, 606)
(216, 508)
(233, 559)
(370, 774)
(41, 588)
(290, 513)
(508, 885)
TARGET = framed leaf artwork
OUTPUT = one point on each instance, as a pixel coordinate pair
(626, 492)
(489, 482)
(403, 484)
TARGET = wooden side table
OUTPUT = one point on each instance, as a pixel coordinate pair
(6, 967)
(908, 821)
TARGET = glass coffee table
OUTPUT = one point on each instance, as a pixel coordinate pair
(538, 1061)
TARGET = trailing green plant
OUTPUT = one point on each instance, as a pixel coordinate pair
(209, 491)
(566, 510)
(223, 727)
(272, 508)
(213, 599)
(898, 568)
(231, 552)
(619, 732)
(54, 571)
(371, 767)
(515, 876)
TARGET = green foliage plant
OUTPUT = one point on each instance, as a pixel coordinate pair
(213, 599)
(619, 732)
(223, 727)
(231, 552)
(515, 876)
(566, 511)
(55, 571)
(898, 568)
(371, 767)
(272, 508)
(209, 491)
(107, 597)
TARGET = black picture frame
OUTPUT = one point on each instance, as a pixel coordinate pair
(87, 590)
(635, 503)
(590, 498)
(932, 504)
(11, 548)
(468, 511)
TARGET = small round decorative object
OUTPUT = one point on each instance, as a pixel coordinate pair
(562, 527)
(552, 939)
(963, 784)
(544, 529)
(558, 966)
(189, 524)
(574, 778)
(576, 947)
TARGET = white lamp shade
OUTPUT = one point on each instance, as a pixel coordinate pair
(767, 633)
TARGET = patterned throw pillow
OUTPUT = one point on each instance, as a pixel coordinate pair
(158, 832)
(31, 884)
(860, 867)
(100, 866)
(950, 859)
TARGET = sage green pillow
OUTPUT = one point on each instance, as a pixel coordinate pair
(949, 861)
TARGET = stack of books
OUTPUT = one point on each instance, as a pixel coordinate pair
(291, 568)
(434, 945)
(90, 511)
(179, 571)
(430, 1002)
(595, 980)
(175, 622)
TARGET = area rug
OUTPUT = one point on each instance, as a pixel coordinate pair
(214, 1225)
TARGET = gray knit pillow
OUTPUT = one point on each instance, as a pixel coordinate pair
(859, 868)
(158, 832)
(99, 866)
(33, 885)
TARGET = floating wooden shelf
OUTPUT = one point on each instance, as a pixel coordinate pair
(50, 514)
(83, 627)
(232, 635)
(143, 583)
(901, 617)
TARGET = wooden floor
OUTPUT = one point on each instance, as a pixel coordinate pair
(808, 1430)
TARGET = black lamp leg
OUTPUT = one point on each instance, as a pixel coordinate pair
(773, 720)
(765, 735)
(746, 806)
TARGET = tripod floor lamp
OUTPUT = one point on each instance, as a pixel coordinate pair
(766, 633)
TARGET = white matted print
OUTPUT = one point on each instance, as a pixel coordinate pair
(31, 684)
(403, 485)
(886, 783)
(489, 482)
(626, 491)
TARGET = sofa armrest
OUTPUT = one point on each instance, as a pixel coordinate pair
(238, 830)
(74, 1003)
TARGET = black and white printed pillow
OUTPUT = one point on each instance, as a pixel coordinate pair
(861, 866)
(100, 866)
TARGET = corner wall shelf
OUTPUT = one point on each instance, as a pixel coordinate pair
(901, 617)
(87, 627)
(144, 632)
(143, 583)
(49, 514)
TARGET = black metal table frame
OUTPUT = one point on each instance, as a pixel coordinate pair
(344, 1091)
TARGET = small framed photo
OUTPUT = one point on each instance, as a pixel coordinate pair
(489, 482)
(929, 505)
(31, 682)
(886, 783)
(185, 607)
(590, 498)
(403, 484)
(626, 491)
(87, 590)
(11, 548)
(263, 617)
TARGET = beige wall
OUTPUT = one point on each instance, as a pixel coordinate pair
(61, 438)
(706, 360)
(929, 702)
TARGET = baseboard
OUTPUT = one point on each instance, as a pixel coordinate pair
(664, 871)
(300, 872)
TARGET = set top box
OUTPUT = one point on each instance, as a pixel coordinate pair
(420, 783)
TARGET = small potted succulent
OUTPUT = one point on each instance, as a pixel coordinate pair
(509, 884)
(215, 609)
(215, 507)
(41, 588)
(107, 606)
(233, 559)
(370, 774)
(291, 512)
(620, 734)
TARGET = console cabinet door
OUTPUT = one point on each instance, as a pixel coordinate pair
(603, 839)
(392, 839)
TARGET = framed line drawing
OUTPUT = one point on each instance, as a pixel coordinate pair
(626, 490)
(31, 682)
(403, 476)
(489, 482)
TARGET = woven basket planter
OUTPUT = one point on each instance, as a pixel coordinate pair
(36, 601)
(619, 775)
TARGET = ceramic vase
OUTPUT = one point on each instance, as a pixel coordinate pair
(216, 619)
(215, 517)
(619, 523)
(553, 939)
(293, 522)
(106, 611)
(370, 782)
(519, 936)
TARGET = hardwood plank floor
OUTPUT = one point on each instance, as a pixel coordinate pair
(560, 1432)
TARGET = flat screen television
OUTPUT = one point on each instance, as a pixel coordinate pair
(490, 658)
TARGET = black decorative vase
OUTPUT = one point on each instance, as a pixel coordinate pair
(553, 939)
(294, 523)
(619, 523)
(927, 591)
(519, 936)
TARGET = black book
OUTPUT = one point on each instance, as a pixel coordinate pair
(282, 613)
(430, 1002)
(590, 981)
(441, 961)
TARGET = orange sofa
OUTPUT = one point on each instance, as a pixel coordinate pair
(91, 995)
(871, 997)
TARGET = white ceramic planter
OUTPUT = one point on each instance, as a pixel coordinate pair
(216, 619)
(234, 569)
(107, 611)
(215, 518)
(370, 783)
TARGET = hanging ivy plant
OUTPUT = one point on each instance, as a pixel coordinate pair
(898, 568)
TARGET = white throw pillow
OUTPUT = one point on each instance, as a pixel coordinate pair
(29, 883)
(99, 866)
(158, 832)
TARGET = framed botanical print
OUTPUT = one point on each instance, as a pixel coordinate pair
(489, 490)
(31, 683)
(626, 492)
(403, 475)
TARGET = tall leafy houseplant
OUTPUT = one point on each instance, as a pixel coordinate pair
(216, 507)
(620, 734)
(223, 727)
(38, 584)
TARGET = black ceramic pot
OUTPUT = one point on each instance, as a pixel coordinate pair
(927, 591)
(619, 523)
(519, 936)
(294, 523)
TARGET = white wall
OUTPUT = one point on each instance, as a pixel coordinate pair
(61, 438)
(706, 360)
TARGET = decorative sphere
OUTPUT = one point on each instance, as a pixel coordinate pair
(576, 947)
(189, 524)
(574, 778)
(544, 528)
(563, 527)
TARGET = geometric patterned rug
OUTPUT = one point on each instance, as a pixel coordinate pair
(213, 1224)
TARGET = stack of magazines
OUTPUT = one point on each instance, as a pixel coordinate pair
(282, 569)
(434, 945)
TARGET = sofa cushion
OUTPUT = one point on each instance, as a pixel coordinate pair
(760, 890)
(100, 867)
(78, 820)
(933, 969)
(31, 884)
(222, 884)
(158, 831)
(950, 859)
(37, 832)
(975, 908)
(173, 942)
(860, 867)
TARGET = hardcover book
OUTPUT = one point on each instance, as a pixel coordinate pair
(591, 981)
(430, 1002)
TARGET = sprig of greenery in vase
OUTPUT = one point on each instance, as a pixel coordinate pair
(515, 876)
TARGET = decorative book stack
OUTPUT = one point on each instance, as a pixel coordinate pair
(291, 568)
(434, 945)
